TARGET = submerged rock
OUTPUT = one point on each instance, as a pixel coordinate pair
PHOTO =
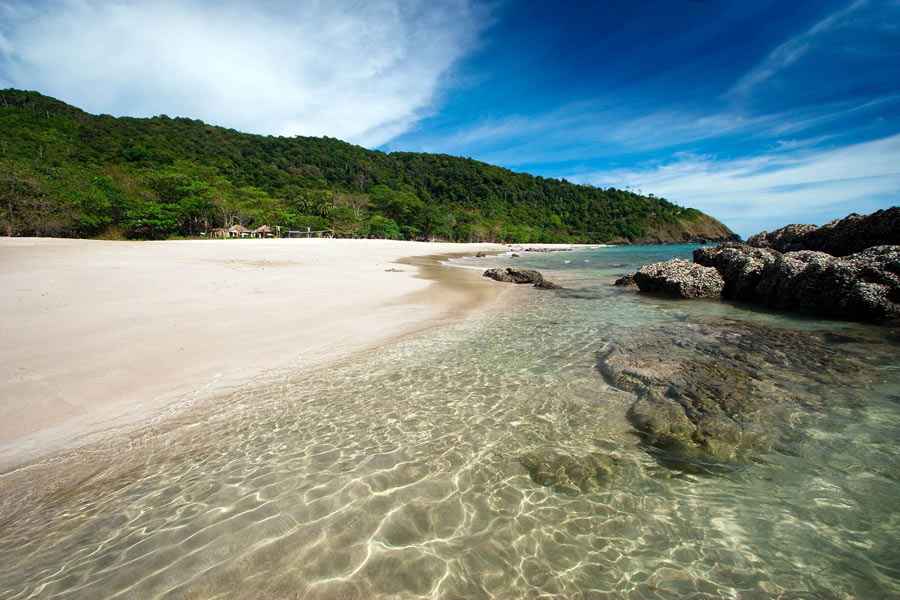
(566, 473)
(680, 278)
(480, 254)
(547, 285)
(720, 391)
(626, 281)
(841, 237)
(514, 275)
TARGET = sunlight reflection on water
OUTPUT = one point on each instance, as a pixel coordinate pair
(399, 476)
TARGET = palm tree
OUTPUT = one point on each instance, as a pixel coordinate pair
(304, 202)
(324, 207)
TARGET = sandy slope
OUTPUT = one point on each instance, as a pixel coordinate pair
(96, 334)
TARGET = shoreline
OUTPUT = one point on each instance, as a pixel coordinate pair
(106, 338)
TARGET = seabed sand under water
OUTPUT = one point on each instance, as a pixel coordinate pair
(400, 473)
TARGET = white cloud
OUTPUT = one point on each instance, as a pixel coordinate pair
(360, 71)
(766, 192)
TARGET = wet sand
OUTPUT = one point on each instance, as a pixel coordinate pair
(99, 335)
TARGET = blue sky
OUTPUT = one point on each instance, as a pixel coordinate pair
(760, 113)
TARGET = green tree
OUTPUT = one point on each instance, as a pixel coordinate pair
(151, 220)
(86, 170)
(384, 228)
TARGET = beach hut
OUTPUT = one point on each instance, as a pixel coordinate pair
(239, 231)
(219, 232)
(263, 232)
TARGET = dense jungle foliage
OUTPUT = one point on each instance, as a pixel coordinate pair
(64, 172)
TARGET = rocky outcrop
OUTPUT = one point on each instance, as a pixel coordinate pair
(718, 391)
(842, 270)
(514, 275)
(787, 239)
(841, 237)
(680, 279)
(864, 286)
(570, 474)
(740, 266)
(480, 254)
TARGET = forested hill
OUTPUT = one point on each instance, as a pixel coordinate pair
(64, 172)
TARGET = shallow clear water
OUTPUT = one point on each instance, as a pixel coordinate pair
(398, 475)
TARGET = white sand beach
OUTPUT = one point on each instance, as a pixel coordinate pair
(101, 334)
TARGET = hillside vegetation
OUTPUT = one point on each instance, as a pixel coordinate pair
(64, 172)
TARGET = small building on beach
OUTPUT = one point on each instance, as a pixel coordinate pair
(239, 231)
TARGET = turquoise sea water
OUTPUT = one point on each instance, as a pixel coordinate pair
(398, 475)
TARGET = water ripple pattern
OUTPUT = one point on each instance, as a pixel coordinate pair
(398, 476)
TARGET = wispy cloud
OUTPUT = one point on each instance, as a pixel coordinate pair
(361, 71)
(789, 52)
(585, 130)
(589, 131)
(762, 192)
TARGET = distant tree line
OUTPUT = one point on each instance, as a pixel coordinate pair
(64, 172)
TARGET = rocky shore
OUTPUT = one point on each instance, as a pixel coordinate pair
(847, 269)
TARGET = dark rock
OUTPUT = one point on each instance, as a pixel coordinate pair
(837, 338)
(786, 239)
(524, 275)
(793, 279)
(480, 254)
(547, 285)
(514, 255)
(680, 278)
(548, 249)
(626, 281)
(514, 275)
(570, 474)
(498, 274)
(841, 237)
(741, 267)
(720, 390)
(862, 287)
